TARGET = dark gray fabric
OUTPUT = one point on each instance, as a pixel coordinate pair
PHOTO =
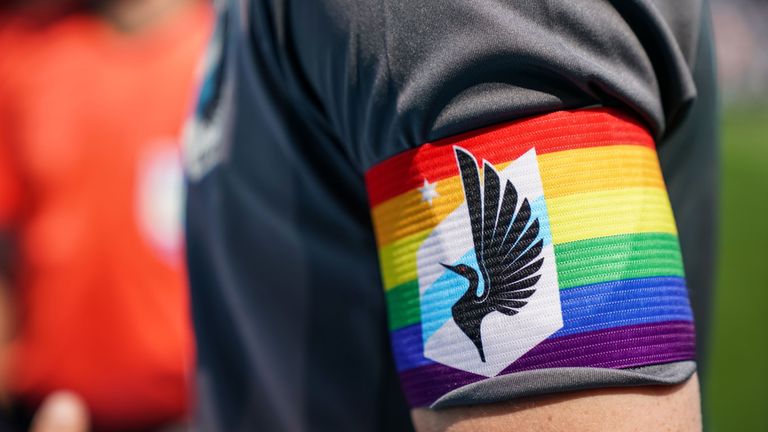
(395, 74)
(287, 300)
(689, 162)
(537, 382)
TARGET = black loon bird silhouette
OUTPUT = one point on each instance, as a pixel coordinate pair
(507, 256)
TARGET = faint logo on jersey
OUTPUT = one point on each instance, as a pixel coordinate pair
(205, 132)
(159, 198)
(487, 273)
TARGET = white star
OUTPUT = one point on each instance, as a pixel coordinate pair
(428, 192)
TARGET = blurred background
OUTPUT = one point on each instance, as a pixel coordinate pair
(737, 381)
(95, 332)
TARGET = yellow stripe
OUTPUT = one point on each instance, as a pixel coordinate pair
(571, 218)
(562, 173)
(606, 213)
(601, 168)
(398, 260)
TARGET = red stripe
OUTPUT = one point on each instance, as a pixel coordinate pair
(558, 131)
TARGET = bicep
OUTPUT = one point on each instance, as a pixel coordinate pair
(673, 408)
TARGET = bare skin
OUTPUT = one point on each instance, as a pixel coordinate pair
(658, 408)
(61, 412)
(132, 16)
(125, 16)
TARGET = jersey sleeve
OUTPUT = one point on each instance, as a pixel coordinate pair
(525, 236)
(524, 231)
(531, 257)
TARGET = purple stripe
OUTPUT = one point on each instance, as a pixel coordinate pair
(616, 348)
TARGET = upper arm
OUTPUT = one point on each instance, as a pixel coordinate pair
(578, 282)
(518, 140)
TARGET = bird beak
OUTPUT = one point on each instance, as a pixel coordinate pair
(451, 268)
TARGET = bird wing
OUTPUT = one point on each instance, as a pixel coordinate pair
(511, 251)
(506, 245)
(470, 179)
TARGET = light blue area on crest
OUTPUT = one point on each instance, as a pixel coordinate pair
(437, 300)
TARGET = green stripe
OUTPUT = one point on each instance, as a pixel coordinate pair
(579, 263)
(620, 257)
(403, 305)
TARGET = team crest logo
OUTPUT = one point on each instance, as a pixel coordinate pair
(487, 273)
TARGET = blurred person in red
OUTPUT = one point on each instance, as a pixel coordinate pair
(92, 99)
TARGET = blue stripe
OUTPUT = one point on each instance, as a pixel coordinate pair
(586, 308)
(626, 302)
(407, 347)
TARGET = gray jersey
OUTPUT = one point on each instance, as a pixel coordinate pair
(342, 160)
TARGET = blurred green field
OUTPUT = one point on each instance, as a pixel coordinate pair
(737, 391)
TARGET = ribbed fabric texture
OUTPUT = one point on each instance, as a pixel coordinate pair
(604, 217)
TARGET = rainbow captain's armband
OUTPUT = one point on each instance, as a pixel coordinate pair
(541, 245)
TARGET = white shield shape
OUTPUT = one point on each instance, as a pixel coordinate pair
(505, 338)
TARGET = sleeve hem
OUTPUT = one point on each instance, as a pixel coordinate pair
(559, 380)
